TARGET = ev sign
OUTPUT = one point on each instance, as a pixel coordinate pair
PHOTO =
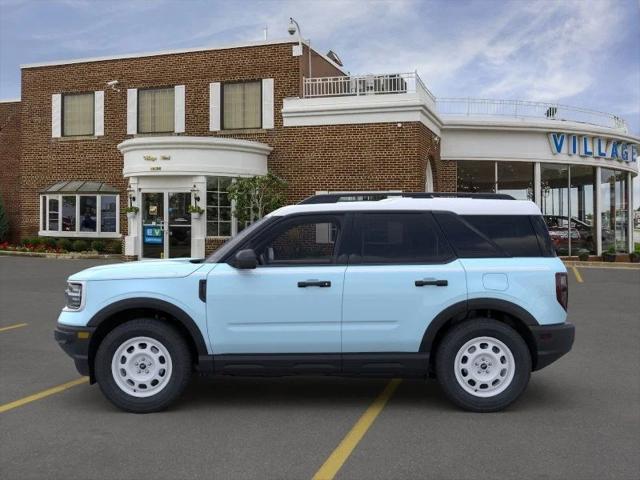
(588, 146)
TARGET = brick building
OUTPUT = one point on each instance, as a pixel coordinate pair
(160, 131)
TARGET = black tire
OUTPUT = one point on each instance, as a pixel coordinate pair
(457, 338)
(178, 351)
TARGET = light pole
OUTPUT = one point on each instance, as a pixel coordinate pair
(293, 28)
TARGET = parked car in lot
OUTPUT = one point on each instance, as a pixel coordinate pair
(467, 290)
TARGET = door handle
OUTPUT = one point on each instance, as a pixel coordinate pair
(429, 282)
(314, 283)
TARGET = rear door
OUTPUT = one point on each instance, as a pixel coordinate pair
(401, 274)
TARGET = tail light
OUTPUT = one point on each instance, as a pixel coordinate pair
(562, 289)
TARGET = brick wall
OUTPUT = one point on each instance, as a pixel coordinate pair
(10, 163)
(339, 157)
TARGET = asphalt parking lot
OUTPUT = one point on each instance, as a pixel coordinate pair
(579, 418)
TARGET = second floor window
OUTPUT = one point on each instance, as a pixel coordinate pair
(156, 110)
(242, 105)
(77, 114)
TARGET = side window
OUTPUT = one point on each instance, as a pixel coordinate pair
(467, 241)
(399, 238)
(513, 233)
(303, 241)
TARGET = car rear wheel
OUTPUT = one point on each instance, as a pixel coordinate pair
(483, 365)
(143, 365)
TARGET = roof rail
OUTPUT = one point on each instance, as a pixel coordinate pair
(374, 196)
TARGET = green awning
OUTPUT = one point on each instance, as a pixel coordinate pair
(80, 186)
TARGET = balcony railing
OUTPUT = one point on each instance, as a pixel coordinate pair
(357, 85)
(525, 109)
(399, 83)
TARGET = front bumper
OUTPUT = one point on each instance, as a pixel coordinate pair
(75, 342)
(552, 342)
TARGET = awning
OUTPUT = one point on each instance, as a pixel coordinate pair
(80, 186)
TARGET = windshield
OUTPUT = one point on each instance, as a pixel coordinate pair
(233, 242)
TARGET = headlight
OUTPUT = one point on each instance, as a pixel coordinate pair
(73, 296)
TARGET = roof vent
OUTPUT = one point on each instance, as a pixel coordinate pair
(333, 56)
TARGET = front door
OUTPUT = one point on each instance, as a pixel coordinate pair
(290, 303)
(166, 225)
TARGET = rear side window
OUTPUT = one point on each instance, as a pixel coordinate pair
(544, 241)
(466, 240)
(512, 233)
(398, 238)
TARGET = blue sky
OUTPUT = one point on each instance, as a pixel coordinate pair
(577, 52)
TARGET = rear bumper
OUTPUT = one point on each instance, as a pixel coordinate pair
(75, 343)
(552, 342)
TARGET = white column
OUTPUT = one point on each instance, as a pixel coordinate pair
(214, 107)
(630, 210)
(178, 110)
(132, 241)
(537, 184)
(56, 115)
(199, 226)
(132, 111)
(598, 211)
(98, 113)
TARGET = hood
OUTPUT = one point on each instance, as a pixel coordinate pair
(145, 269)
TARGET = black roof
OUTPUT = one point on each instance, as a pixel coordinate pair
(373, 196)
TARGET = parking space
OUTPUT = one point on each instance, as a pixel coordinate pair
(579, 418)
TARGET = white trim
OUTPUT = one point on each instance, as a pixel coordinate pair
(214, 107)
(395, 108)
(63, 234)
(598, 210)
(630, 213)
(157, 53)
(98, 113)
(268, 119)
(56, 115)
(428, 184)
(10, 100)
(132, 111)
(178, 108)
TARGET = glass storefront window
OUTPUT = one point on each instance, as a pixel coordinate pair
(476, 176)
(614, 196)
(69, 213)
(554, 190)
(88, 214)
(516, 179)
(581, 201)
(218, 207)
(108, 212)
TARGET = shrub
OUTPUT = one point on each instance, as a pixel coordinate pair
(48, 242)
(65, 244)
(98, 246)
(80, 246)
(114, 246)
(27, 241)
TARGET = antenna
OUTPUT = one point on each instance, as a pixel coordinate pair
(266, 32)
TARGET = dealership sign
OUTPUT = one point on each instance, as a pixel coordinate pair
(588, 146)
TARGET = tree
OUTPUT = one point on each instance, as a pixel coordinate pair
(4, 222)
(254, 197)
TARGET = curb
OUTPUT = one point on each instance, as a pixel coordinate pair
(62, 256)
(618, 265)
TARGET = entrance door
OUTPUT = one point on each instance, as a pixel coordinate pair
(153, 227)
(179, 225)
(166, 225)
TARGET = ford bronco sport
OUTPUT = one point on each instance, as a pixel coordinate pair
(463, 288)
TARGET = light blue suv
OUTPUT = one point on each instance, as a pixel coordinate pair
(465, 289)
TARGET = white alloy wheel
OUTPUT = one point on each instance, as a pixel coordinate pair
(141, 366)
(484, 367)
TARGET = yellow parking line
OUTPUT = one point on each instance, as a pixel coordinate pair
(334, 463)
(45, 393)
(11, 327)
(577, 274)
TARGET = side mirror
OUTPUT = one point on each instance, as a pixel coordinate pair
(246, 259)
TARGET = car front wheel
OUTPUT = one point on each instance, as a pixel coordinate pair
(143, 365)
(483, 365)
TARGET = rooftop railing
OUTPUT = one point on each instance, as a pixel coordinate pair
(356, 85)
(399, 83)
(525, 109)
